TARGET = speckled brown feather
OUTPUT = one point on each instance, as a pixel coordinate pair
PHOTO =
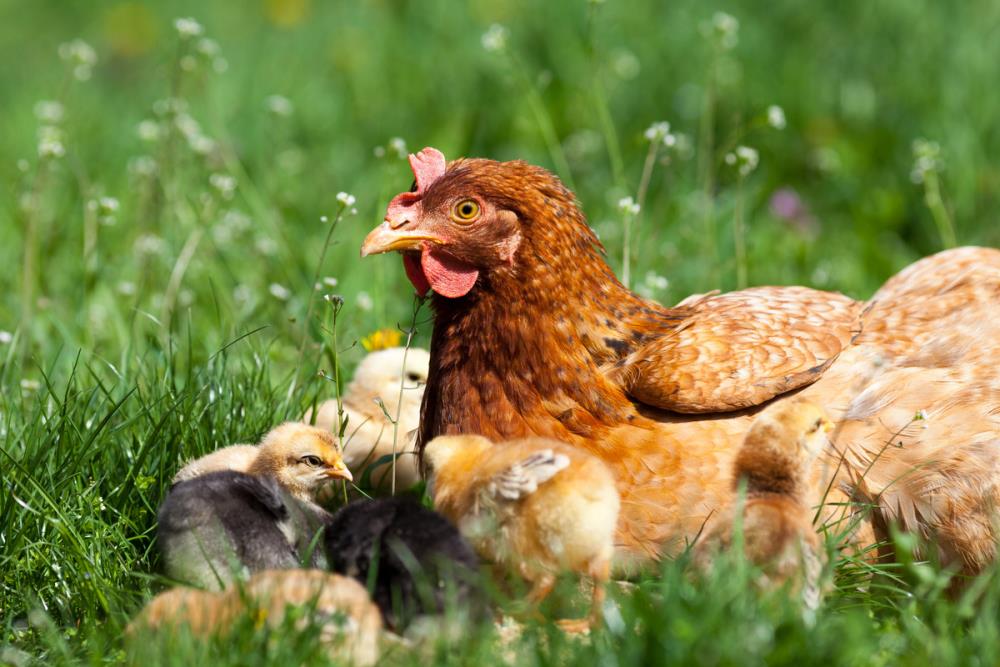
(538, 345)
(741, 349)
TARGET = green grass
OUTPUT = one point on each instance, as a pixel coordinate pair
(186, 319)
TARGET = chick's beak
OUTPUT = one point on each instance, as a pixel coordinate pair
(827, 426)
(339, 471)
(386, 238)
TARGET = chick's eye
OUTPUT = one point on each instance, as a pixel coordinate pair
(817, 426)
(311, 461)
(466, 210)
(413, 377)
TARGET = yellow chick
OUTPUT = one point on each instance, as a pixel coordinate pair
(775, 461)
(301, 458)
(535, 504)
(383, 376)
(291, 452)
(350, 622)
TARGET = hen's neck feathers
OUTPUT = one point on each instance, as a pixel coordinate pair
(539, 333)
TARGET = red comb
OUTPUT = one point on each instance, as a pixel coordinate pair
(428, 165)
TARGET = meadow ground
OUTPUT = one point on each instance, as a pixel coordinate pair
(170, 222)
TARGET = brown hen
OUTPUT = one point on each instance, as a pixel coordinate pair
(534, 335)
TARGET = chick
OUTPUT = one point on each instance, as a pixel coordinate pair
(235, 457)
(276, 445)
(414, 559)
(222, 523)
(534, 503)
(350, 623)
(369, 434)
(775, 462)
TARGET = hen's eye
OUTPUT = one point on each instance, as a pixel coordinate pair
(466, 210)
(311, 461)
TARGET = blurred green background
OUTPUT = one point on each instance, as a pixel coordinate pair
(858, 82)
(170, 219)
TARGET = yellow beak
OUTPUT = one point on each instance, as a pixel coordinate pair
(340, 471)
(386, 239)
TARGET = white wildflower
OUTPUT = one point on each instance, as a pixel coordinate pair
(744, 159)
(170, 106)
(495, 38)
(189, 63)
(188, 28)
(30, 385)
(80, 56)
(330, 282)
(148, 130)
(655, 281)
(398, 146)
(347, 200)
(365, 302)
(266, 246)
(208, 47)
(776, 117)
(142, 165)
(625, 64)
(106, 209)
(126, 288)
(6, 337)
(236, 220)
(49, 111)
(224, 183)
(628, 206)
(279, 105)
(379, 152)
(149, 244)
(927, 158)
(279, 291)
(201, 144)
(723, 29)
(50, 142)
(660, 133)
(242, 294)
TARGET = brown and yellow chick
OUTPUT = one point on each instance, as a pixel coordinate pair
(775, 462)
(301, 458)
(533, 503)
(350, 622)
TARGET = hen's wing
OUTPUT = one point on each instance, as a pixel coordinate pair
(740, 349)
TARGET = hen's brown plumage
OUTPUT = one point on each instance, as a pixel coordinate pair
(534, 335)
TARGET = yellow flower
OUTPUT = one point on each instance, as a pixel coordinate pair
(382, 339)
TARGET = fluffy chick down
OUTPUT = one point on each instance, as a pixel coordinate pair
(535, 505)
(418, 565)
(775, 463)
(215, 527)
(350, 623)
(382, 376)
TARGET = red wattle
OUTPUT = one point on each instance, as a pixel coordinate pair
(450, 277)
(416, 274)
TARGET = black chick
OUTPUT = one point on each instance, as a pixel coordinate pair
(225, 524)
(413, 560)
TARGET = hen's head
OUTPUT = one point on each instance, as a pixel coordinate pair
(469, 219)
(302, 458)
